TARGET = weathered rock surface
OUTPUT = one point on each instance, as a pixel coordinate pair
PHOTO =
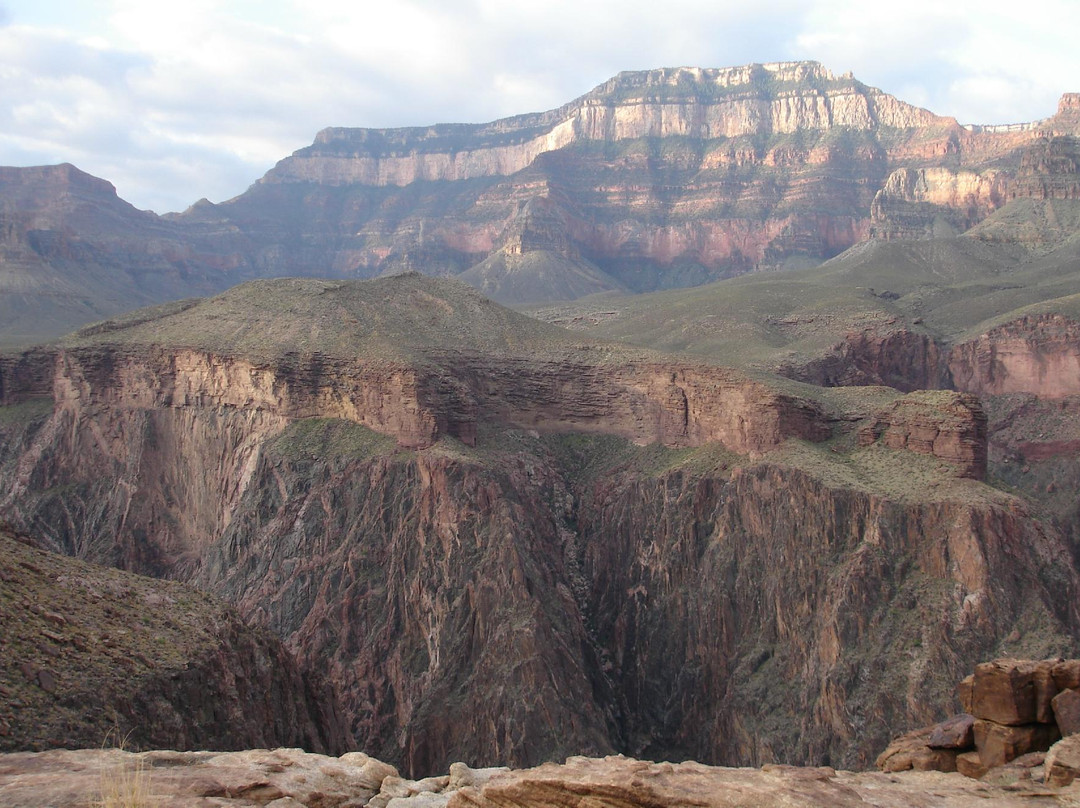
(916, 203)
(999, 743)
(762, 165)
(1012, 726)
(88, 654)
(949, 426)
(1063, 761)
(891, 356)
(1037, 354)
(287, 778)
(281, 778)
(953, 733)
(1066, 705)
(655, 179)
(71, 252)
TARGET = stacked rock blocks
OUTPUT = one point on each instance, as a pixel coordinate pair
(1018, 714)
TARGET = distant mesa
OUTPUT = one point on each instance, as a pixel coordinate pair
(653, 180)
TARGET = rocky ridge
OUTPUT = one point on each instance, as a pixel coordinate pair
(89, 654)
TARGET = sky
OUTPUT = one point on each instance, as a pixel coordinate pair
(176, 100)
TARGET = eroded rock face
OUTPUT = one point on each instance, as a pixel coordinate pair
(762, 165)
(946, 425)
(286, 778)
(1037, 354)
(494, 603)
(893, 356)
(914, 202)
(528, 581)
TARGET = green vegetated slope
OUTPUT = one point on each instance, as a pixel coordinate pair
(398, 317)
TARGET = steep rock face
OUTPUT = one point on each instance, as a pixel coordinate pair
(496, 604)
(949, 426)
(710, 597)
(193, 674)
(1037, 354)
(701, 104)
(654, 180)
(913, 201)
(436, 593)
(1049, 169)
(892, 356)
(505, 591)
(662, 178)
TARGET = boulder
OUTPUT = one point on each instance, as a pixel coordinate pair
(999, 743)
(1063, 761)
(1045, 690)
(954, 733)
(1066, 707)
(1004, 691)
(970, 765)
(965, 692)
(1066, 673)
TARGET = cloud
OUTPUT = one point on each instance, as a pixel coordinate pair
(175, 101)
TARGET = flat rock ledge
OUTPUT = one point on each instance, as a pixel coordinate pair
(290, 778)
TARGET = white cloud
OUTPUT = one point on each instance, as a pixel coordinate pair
(174, 101)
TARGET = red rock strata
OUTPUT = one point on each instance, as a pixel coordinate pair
(949, 426)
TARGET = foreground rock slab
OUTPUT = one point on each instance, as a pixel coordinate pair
(290, 778)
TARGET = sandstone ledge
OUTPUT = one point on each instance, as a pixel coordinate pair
(288, 778)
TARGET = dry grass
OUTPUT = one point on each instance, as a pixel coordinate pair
(125, 785)
(126, 782)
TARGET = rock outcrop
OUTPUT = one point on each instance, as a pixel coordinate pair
(90, 656)
(287, 778)
(1016, 711)
(916, 203)
(1038, 354)
(948, 426)
(540, 583)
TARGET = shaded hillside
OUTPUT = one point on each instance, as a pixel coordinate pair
(92, 656)
(71, 252)
(833, 324)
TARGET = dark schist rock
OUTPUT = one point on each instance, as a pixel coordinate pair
(503, 543)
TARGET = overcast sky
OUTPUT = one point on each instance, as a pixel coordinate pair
(173, 100)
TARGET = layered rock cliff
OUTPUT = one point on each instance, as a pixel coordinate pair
(71, 251)
(653, 180)
(1038, 354)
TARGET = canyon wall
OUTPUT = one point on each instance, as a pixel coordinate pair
(1038, 354)
(653, 180)
(514, 592)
